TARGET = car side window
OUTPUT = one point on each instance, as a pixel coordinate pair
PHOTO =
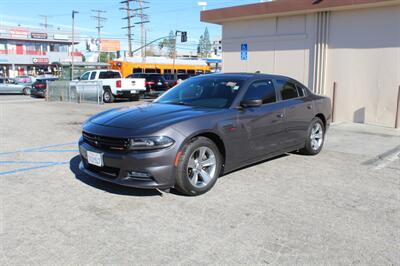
(93, 75)
(263, 89)
(85, 76)
(287, 89)
(1, 81)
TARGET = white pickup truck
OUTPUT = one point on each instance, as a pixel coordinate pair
(112, 84)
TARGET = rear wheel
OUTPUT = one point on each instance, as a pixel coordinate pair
(315, 137)
(199, 167)
(108, 97)
(26, 91)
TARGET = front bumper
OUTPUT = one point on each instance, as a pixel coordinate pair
(118, 166)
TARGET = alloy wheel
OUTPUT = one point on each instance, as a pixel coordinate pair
(201, 167)
(317, 135)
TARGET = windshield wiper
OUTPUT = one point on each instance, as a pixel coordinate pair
(178, 103)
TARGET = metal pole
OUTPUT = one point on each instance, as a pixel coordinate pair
(73, 43)
(397, 121)
(333, 101)
(174, 56)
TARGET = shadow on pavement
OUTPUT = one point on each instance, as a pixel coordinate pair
(106, 186)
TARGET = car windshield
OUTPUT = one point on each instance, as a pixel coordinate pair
(211, 92)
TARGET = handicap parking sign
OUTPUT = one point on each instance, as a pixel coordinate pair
(243, 51)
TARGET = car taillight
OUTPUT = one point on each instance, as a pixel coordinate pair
(149, 83)
(40, 86)
(118, 83)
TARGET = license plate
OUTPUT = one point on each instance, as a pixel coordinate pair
(95, 158)
(133, 91)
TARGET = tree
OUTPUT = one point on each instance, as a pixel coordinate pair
(105, 57)
(204, 46)
(206, 43)
(168, 43)
(200, 47)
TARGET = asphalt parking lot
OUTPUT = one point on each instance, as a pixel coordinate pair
(338, 208)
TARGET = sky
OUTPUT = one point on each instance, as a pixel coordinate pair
(165, 15)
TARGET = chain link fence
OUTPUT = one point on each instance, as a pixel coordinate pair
(71, 91)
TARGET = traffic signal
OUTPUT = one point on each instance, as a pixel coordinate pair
(184, 36)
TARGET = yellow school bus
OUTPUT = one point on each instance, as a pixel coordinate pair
(159, 65)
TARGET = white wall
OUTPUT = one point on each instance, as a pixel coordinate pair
(363, 57)
(279, 45)
(364, 61)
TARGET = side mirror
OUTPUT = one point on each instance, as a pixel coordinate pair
(79, 78)
(251, 103)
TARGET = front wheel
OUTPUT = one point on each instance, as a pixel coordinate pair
(199, 167)
(108, 97)
(315, 137)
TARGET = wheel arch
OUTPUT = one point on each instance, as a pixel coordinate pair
(214, 137)
(322, 117)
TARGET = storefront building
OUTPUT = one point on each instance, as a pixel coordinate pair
(348, 50)
(29, 51)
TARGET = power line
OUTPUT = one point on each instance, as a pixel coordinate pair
(45, 24)
(135, 12)
(99, 26)
(129, 24)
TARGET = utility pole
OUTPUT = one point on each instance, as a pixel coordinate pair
(129, 24)
(100, 20)
(132, 13)
(144, 18)
(73, 43)
(45, 24)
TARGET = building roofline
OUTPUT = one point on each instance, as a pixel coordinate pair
(285, 7)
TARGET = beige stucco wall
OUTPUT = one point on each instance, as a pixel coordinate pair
(276, 45)
(363, 57)
(364, 61)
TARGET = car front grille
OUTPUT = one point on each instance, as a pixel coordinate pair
(106, 142)
(111, 172)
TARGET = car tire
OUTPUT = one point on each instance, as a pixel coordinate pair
(196, 176)
(108, 97)
(315, 137)
(26, 91)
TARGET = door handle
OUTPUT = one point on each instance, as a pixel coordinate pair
(280, 115)
(309, 106)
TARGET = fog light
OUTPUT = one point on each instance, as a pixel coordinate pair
(138, 174)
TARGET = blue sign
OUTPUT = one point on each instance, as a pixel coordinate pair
(243, 51)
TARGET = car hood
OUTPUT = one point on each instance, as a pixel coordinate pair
(150, 116)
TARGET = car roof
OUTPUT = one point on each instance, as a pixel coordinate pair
(245, 75)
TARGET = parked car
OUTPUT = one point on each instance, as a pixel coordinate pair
(113, 85)
(25, 79)
(9, 85)
(202, 128)
(172, 81)
(155, 83)
(39, 87)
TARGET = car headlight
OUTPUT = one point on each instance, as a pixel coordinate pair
(150, 143)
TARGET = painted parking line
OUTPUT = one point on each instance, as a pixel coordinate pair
(31, 168)
(33, 165)
(35, 149)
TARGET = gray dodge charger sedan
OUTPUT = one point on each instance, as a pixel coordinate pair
(204, 127)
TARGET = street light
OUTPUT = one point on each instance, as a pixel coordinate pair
(73, 41)
(202, 4)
